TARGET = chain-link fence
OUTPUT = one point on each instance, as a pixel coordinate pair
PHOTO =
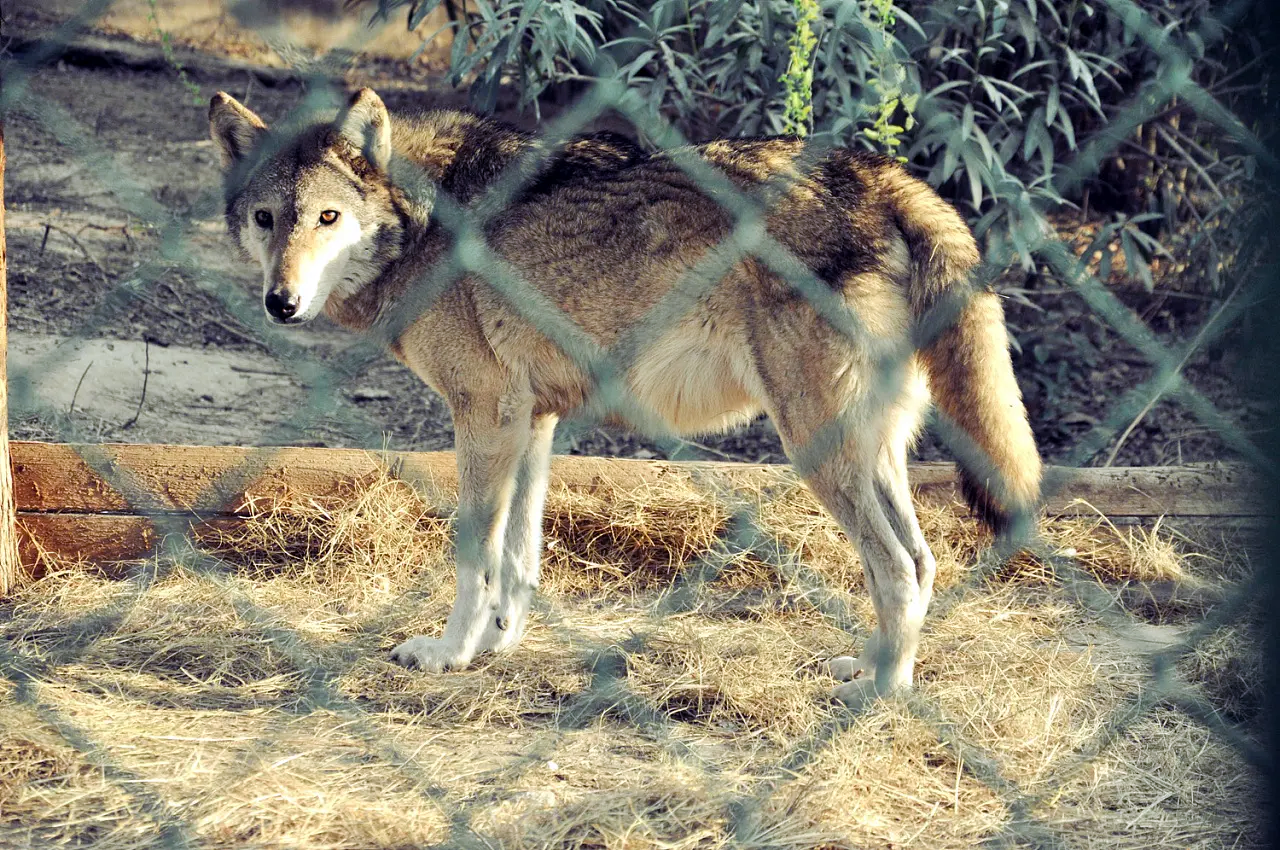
(608, 691)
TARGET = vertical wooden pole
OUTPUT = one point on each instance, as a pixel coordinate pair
(9, 564)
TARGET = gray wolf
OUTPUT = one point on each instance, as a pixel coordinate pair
(343, 218)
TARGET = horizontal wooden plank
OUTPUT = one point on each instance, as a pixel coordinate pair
(126, 478)
(101, 540)
(72, 499)
(1196, 490)
(216, 480)
(104, 542)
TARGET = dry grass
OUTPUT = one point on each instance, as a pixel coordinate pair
(755, 678)
(888, 781)
(617, 541)
(254, 706)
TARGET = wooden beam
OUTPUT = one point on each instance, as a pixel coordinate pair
(107, 543)
(104, 540)
(104, 503)
(216, 480)
(205, 480)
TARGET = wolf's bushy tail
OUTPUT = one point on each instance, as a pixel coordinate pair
(965, 351)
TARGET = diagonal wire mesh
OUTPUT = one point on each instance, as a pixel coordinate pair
(748, 239)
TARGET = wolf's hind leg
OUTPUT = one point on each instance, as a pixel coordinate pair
(522, 545)
(834, 419)
(894, 492)
(847, 487)
(894, 496)
(492, 432)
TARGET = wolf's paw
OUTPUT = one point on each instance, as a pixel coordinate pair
(860, 692)
(502, 633)
(857, 694)
(429, 655)
(846, 668)
(859, 688)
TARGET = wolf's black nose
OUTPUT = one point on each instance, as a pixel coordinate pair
(281, 306)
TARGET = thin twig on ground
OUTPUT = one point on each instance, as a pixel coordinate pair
(76, 392)
(146, 374)
(75, 240)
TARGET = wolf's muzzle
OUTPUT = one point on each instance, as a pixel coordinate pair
(281, 306)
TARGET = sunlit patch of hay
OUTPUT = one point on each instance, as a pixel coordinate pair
(618, 540)
(378, 542)
(50, 791)
(796, 519)
(186, 629)
(1123, 553)
(232, 779)
(756, 677)
(1162, 573)
(669, 816)
(176, 642)
(66, 595)
(511, 689)
(1154, 556)
(377, 533)
(170, 689)
(610, 796)
(619, 790)
(666, 816)
(255, 700)
(887, 781)
(533, 682)
(955, 538)
(1001, 669)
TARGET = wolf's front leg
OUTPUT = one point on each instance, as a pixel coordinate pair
(491, 439)
(522, 546)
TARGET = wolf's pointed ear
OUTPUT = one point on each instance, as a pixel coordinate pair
(233, 127)
(367, 126)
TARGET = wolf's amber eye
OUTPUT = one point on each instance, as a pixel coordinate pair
(328, 216)
(262, 218)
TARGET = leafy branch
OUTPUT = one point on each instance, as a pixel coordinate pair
(166, 47)
(798, 79)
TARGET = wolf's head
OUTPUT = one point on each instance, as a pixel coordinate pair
(317, 207)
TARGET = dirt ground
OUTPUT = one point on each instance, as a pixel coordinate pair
(76, 240)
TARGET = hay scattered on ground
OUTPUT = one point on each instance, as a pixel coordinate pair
(624, 541)
(252, 703)
(887, 780)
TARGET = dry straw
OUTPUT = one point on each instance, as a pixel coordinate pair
(254, 706)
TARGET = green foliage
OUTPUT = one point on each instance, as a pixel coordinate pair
(1015, 93)
(987, 99)
(166, 47)
(529, 45)
(888, 82)
(798, 79)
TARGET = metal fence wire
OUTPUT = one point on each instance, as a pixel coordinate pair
(470, 255)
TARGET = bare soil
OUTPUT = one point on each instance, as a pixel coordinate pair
(113, 138)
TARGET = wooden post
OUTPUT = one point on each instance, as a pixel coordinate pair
(9, 564)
